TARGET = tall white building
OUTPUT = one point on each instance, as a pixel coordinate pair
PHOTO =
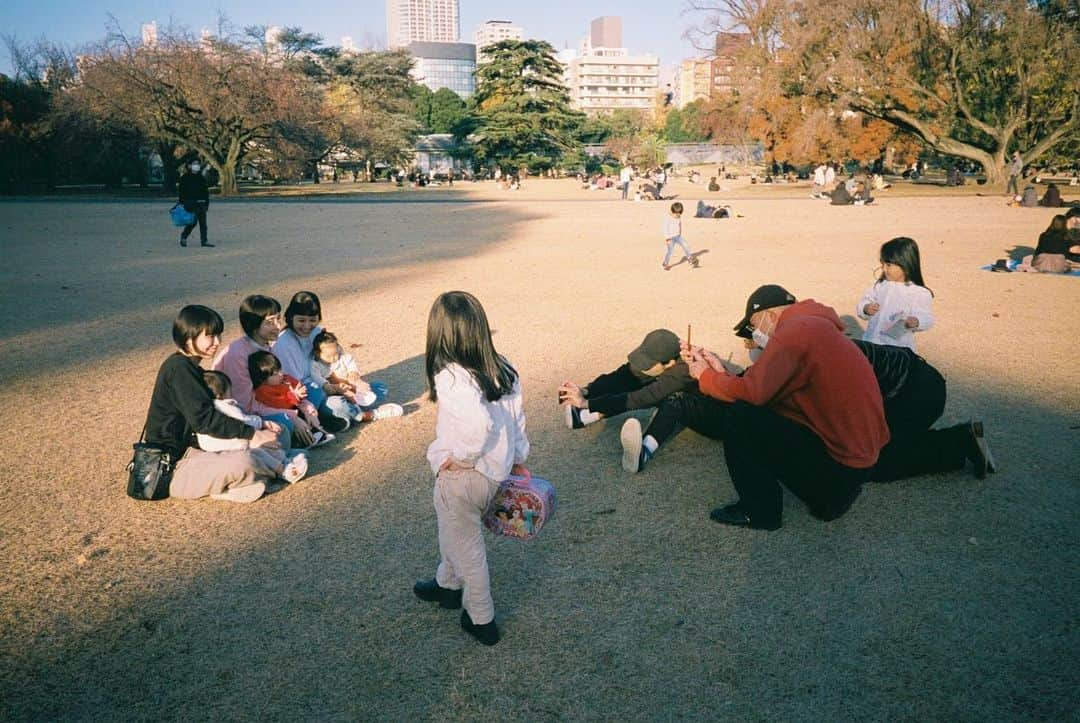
(149, 34)
(421, 21)
(494, 31)
(604, 77)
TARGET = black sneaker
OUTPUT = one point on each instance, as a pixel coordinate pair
(976, 449)
(488, 633)
(431, 591)
(736, 516)
(207, 245)
(183, 240)
(572, 417)
(635, 454)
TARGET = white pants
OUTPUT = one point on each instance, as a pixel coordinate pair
(460, 500)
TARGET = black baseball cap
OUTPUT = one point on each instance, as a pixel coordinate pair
(765, 297)
(658, 347)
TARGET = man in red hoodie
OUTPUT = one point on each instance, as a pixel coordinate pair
(808, 413)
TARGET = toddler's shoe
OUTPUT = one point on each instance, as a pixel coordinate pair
(296, 466)
(321, 438)
(386, 411)
(431, 591)
(243, 494)
(635, 454)
(488, 633)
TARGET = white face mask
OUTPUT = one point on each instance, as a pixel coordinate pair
(760, 338)
(195, 168)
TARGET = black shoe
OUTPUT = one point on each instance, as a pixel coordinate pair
(488, 633)
(183, 241)
(976, 450)
(736, 516)
(430, 591)
(207, 244)
(572, 417)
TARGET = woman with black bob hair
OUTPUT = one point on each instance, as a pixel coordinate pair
(182, 406)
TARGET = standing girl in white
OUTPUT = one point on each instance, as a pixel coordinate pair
(898, 304)
(479, 441)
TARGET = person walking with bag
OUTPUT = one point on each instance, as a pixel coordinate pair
(195, 198)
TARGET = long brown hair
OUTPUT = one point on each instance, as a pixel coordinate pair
(458, 333)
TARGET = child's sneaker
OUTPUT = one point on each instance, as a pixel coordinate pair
(296, 467)
(386, 411)
(635, 454)
(242, 494)
(321, 438)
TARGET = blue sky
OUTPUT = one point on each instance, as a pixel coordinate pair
(655, 26)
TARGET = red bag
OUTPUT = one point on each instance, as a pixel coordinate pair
(521, 507)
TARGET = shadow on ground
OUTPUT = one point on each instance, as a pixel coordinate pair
(901, 609)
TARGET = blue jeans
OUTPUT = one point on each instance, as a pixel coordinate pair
(341, 407)
(671, 247)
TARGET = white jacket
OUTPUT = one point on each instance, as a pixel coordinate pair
(490, 436)
(230, 408)
(898, 300)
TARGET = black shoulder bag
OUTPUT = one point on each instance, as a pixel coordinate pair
(149, 471)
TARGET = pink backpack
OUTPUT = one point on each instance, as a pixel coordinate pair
(521, 507)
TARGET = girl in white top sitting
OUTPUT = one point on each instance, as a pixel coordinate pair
(479, 441)
(289, 466)
(898, 304)
(335, 370)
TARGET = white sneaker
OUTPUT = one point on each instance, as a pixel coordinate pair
(630, 437)
(243, 494)
(295, 468)
(321, 438)
(386, 411)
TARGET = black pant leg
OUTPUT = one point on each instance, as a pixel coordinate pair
(703, 414)
(763, 449)
(914, 449)
(201, 218)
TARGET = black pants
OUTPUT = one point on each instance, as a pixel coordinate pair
(915, 449)
(199, 209)
(764, 450)
(703, 414)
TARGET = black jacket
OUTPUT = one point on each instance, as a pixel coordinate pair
(182, 405)
(624, 389)
(193, 188)
(891, 364)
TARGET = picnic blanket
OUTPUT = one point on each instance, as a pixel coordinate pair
(1014, 265)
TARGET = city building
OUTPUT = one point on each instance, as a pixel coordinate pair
(421, 21)
(445, 65)
(603, 77)
(494, 31)
(694, 81)
(149, 34)
(725, 64)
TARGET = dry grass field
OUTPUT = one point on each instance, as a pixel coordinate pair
(938, 598)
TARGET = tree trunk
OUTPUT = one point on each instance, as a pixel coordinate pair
(227, 179)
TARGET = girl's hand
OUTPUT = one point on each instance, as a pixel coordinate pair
(452, 465)
(911, 322)
(518, 470)
(272, 426)
(300, 390)
(266, 437)
(871, 309)
(697, 365)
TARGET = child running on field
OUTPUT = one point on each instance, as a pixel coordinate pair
(673, 235)
(898, 304)
(479, 441)
(276, 389)
(289, 466)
